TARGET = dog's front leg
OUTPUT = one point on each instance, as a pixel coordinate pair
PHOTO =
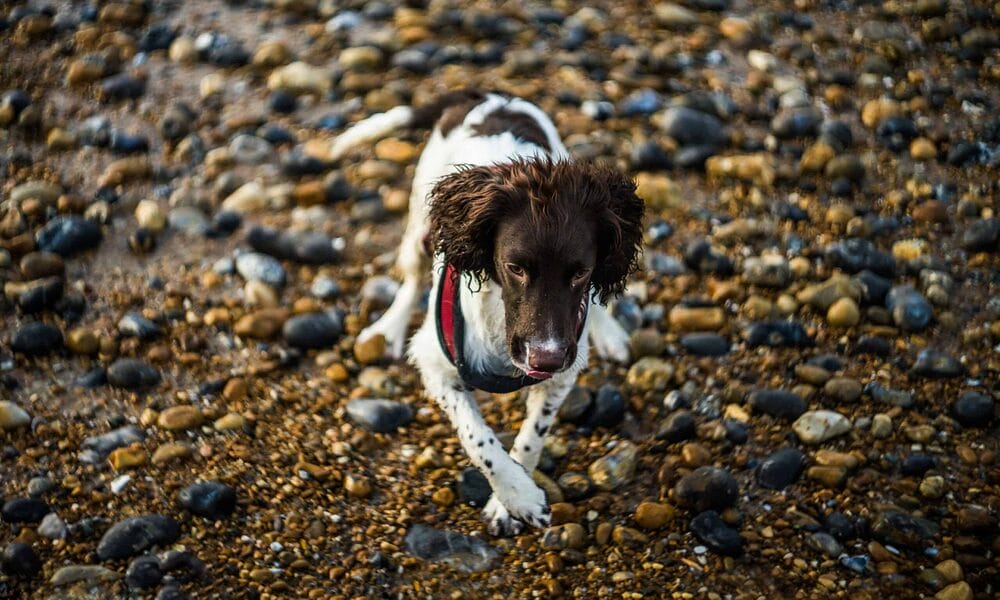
(512, 485)
(543, 402)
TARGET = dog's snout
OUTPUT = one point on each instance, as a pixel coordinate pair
(546, 355)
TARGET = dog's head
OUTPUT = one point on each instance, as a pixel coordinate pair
(550, 234)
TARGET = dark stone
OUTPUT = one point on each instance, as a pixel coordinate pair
(182, 565)
(125, 143)
(911, 311)
(122, 86)
(694, 157)
(705, 344)
(964, 154)
(901, 530)
(144, 572)
(973, 409)
(839, 526)
(737, 432)
(460, 552)
(159, 36)
(225, 222)
(576, 405)
(856, 254)
(24, 510)
(135, 535)
(777, 334)
(937, 365)
(780, 404)
(68, 235)
(36, 339)
(896, 133)
(41, 295)
(707, 488)
(873, 345)
(116, 438)
(640, 103)
(282, 102)
(692, 127)
(837, 135)
(380, 416)
(473, 487)
(781, 469)
(915, 465)
(700, 256)
(132, 374)
(649, 156)
(171, 592)
(982, 235)
(608, 408)
(313, 330)
(716, 535)
(176, 122)
(135, 325)
(306, 247)
(209, 499)
(93, 378)
(796, 122)
(678, 427)
(20, 560)
(874, 288)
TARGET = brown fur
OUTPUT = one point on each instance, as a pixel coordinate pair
(467, 206)
(522, 126)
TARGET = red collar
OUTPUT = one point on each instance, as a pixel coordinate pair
(451, 337)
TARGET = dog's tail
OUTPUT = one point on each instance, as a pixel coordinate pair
(381, 125)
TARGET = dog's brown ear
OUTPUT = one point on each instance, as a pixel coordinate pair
(618, 213)
(465, 207)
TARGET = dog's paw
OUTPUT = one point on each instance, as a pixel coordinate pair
(509, 513)
(611, 343)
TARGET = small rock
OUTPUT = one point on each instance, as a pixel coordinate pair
(210, 499)
(12, 416)
(714, 533)
(87, 573)
(20, 560)
(179, 418)
(313, 330)
(707, 488)
(650, 374)
(254, 266)
(36, 339)
(972, 409)
(780, 404)
(134, 535)
(818, 426)
(780, 469)
(144, 572)
(653, 515)
(460, 552)
(616, 468)
(24, 510)
(132, 374)
(380, 416)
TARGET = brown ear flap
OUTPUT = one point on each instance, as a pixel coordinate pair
(465, 206)
(619, 213)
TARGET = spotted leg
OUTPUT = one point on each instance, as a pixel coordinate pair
(542, 403)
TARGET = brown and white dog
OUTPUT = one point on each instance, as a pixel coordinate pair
(524, 242)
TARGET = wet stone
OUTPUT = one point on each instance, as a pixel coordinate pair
(902, 530)
(20, 560)
(825, 543)
(460, 552)
(936, 364)
(777, 334)
(780, 404)
(144, 572)
(692, 127)
(615, 468)
(209, 499)
(36, 339)
(707, 488)
(577, 404)
(781, 469)
(133, 374)
(68, 235)
(608, 408)
(254, 266)
(911, 311)
(705, 344)
(973, 409)
(312, 330)
(85, 573)
(24, 510)
(818, 426)
(135, 535)
(678, 427)
(473, 487)
(716, 534)
(305, 247)
(380, 416)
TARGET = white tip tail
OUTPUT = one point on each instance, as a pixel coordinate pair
(371, 129)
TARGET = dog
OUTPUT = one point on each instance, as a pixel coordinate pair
(527, 247)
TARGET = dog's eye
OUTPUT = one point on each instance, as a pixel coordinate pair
(581, 275)
(516, 270)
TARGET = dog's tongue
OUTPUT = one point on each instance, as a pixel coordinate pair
(538, 374)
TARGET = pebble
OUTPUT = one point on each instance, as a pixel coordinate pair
(144, 572)
(781, 468)
(210, 499)
(692, 127)
(844, 313)
(20, 560)
(955, 591)
(910, 310)
(615, 468)
(36, 339)
(24, 510)
(902, 530)
(607, 409)
(678, 427)
(473, 487)
(972, 409)
(650, 373)
(653, 515)
(460, 552)
(52, 527)
(780, 404)
(706, 488)
(709, 527)
(134, 535)
(255, 266)
(12, 416)
(378, 415)
(179, 418)
(818, 426)
(87, 573)
(313, 330)
(133, 374)
(936, 364)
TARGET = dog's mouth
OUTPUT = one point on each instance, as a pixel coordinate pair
(539, 374)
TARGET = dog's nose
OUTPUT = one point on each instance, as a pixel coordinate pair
(546, 356)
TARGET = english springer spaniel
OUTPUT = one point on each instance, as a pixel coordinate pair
(524, 242)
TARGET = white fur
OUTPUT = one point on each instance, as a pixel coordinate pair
(516, 500)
